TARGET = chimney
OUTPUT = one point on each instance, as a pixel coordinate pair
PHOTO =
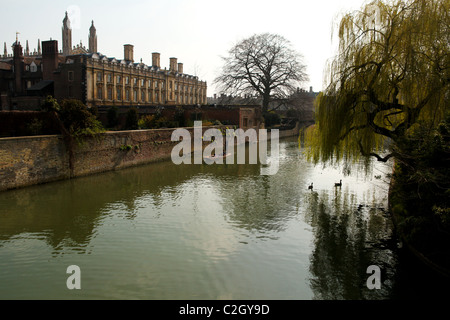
(18, 67)
(155, 59)
(128, 52)
(49, 58)
(180, 68)
(173, 64)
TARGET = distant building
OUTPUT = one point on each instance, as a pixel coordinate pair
(95, 79)
(299, 105)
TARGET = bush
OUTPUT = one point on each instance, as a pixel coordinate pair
(146, 122)
(77, 118)
(50, 105)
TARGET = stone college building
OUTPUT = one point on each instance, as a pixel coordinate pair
(97, 80)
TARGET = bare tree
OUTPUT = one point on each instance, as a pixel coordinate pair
(263, 64)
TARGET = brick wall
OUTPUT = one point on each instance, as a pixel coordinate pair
(115, 150)
(33, 160)
(27, 161)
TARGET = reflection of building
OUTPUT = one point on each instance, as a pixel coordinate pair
(97, 80)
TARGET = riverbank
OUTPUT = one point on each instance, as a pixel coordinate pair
(426, 247)
(26, 161)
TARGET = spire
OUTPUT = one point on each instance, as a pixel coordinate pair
(5, 52)
(66, 36)
(66, 22)
(92, 38)
(27, 49)
(92, 26)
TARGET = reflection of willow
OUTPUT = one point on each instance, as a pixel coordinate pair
(349, 237)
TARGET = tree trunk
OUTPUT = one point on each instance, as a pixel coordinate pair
(265, 103)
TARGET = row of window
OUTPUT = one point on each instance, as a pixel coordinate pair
(141, 82)
(109, 95)
(109, 79)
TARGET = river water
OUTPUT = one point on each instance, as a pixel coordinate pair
(163, 231)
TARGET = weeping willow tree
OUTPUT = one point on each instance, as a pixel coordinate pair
(390, 77)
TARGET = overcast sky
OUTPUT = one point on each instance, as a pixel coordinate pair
(197, 32)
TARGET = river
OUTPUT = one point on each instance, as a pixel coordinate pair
(165, 231)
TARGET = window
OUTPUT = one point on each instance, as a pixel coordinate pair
(119, 79)
(99, 93)
(70, 75)
(142, 95)
(99, 76)
(135, 81)
(245, 122)
(149, 83)
(119, 93)
(127, 95)
(156, 84)
(110, 93)
(135, 95)
(127, 80)
(109, 78)
(142, 82)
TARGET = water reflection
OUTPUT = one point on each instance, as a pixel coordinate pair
(349, 237)
(68, 212)
(203, 232)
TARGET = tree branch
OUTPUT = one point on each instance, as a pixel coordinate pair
(377, 156)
